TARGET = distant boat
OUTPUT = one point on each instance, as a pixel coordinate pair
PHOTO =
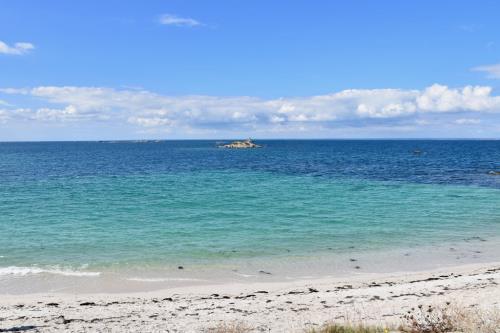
(245, 144)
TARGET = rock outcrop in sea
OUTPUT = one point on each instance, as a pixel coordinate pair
(241, 144)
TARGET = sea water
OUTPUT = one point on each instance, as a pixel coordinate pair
(143, 210)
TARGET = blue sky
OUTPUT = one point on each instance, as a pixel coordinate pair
(75, 70)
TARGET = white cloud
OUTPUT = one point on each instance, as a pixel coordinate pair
(149, 122)
(467, 121)
(439, 98)
(19, 113)
(3, 116)
(17, 49)
(355, 106)
(169, 19)
(67, 113)
(492, 71)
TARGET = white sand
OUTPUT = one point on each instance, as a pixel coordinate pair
(275, 307)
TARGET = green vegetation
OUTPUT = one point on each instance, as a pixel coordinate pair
(335, 328)
(420, 319)
(233, 327)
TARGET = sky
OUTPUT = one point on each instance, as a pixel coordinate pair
(172, 69)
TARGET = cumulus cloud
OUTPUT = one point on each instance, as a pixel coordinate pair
(492, 71)
(169, 19)
(146, 109)
(67, 113)
(443, 99)
(18, 113)
(16, 49)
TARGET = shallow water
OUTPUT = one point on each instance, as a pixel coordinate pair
(140, 208)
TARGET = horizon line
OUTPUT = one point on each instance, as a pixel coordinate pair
(255, 139)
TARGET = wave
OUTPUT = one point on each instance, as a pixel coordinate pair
(24, 271)
(160, 279)
(245, 275)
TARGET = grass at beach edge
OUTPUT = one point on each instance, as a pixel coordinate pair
(420, 319)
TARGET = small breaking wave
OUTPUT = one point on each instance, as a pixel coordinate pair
(245, 275)
(137, 279)
(25, 271)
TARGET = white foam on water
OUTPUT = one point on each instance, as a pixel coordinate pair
(244, 275)
(137, 279)
(24, 271)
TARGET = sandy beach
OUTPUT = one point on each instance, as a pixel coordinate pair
(379, 299)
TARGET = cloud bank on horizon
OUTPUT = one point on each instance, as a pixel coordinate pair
(200, 116)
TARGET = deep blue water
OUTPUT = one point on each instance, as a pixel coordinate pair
(440, 162)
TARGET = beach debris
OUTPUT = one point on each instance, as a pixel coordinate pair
(264, 272)
(180, 267)
(53, 304)
(357, 267)
(248, 143)
(347, 286)
(352, 259)
(87, 304)
(19, 328)
(245, 296)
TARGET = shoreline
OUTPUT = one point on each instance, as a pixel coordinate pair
(373, 298)
(18, 280)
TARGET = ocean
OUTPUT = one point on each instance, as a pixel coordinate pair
(158, 213)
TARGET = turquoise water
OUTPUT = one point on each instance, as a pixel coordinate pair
(98, 206)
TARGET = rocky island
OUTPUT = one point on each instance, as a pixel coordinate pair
(241, 144)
